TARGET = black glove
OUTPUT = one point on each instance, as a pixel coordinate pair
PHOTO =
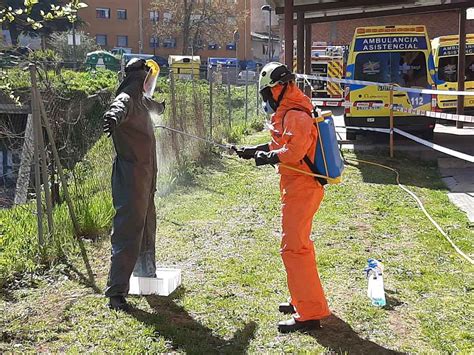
(249, 152)
(110, 122)
(264, 158)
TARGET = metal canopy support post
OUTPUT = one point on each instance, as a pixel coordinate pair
(307, 55)
(461, 64)
(289, 33)
(211, 79)
(391, 121)
(300, 54)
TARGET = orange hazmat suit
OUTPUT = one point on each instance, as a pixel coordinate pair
(294, 136)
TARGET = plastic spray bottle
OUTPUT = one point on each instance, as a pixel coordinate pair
(375, 289)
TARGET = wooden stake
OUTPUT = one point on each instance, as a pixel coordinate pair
(36, 133)
(44, 175)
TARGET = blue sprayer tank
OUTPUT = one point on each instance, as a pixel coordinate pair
(327, 149)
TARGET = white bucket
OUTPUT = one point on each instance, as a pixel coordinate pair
(166, 281)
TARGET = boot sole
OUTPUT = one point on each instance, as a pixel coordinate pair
(302, 328)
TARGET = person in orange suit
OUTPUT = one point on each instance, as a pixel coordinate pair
(293, 142)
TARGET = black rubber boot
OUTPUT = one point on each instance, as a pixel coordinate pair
(286, 308)
(292, 325)
(118, 303)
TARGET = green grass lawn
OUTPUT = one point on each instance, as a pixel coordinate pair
(223, 229)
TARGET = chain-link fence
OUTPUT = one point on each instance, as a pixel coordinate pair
(63, 111)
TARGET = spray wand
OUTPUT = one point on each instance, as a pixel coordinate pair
(208, 141)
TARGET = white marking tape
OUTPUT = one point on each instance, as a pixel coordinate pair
(439, 115)
(387, 85)
(373, 129)
(375, 105)
(431, 145)
(437, 147)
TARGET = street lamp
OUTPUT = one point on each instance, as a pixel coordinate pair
(236, 40)
(269, 9)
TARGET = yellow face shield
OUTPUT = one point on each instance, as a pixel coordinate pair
(150, 81)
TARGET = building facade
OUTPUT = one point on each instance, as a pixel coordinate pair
(130, 24)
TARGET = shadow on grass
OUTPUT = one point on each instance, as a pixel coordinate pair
(392, 302)
(413, 172)
(339, 337)
(175, 324)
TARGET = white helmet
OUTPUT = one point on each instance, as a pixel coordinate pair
(272, 74)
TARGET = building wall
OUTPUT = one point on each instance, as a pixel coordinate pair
(113, 27)
(340, 33)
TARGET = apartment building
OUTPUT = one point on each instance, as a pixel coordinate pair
(129, 24)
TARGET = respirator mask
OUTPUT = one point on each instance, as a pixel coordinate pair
(269, 105)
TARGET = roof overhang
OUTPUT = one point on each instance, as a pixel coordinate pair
(318, 11)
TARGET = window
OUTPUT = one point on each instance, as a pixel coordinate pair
(167, 16)
(102, 12)
(194, 18)
(101, 40)
(154, 16)
(230, 46)
(404, 68)
(448, 68)
(121, 14)
(154, 42)
(122, 41)
(169, 43)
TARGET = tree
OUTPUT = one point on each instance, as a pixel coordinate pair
(197, 22)
(38, 17)
(59, 43)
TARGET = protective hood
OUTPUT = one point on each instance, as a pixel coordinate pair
(135, 74)
(132, 84)
(292, 98)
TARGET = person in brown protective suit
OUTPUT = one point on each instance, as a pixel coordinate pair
(134, 172)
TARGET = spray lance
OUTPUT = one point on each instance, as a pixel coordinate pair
(208, 141)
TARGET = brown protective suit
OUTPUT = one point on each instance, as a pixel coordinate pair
(133, 185)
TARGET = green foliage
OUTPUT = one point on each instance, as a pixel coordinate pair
(69, 82)
(45, 58)
(36, 13)
(44, 55)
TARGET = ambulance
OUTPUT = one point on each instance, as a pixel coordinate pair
(445, 54)
(326, 60)
(398, 55)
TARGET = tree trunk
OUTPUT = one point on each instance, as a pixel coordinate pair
(188, 7)
(14, 34)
